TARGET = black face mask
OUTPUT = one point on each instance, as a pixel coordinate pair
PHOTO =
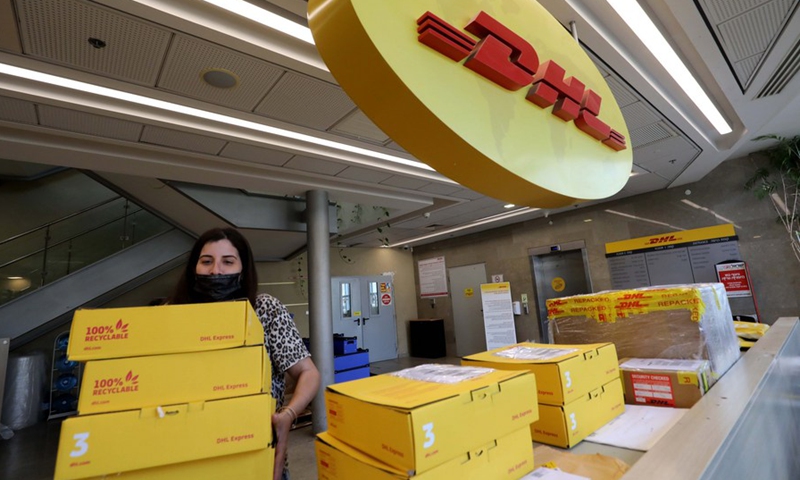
(217, 287)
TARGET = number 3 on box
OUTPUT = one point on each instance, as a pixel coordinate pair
(81, 447)
(429, 436)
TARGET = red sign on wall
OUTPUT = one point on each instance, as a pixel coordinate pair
(734, 277)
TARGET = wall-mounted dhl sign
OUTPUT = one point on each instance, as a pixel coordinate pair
(530, 120)
(686, 237)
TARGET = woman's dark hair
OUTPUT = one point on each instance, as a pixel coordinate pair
(184, 291)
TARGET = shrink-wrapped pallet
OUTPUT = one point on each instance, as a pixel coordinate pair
(691, 321)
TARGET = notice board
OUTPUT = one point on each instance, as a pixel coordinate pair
(688, 256)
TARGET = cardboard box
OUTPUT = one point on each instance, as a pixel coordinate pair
(566, 425)
(416, 425)
(136, 382)
(690, 322)
(129, 332)
(563, 372)
(253, 465)
(664, 382)
(508, 457)
(92, 445)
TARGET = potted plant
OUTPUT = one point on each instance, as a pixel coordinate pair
(779, 181)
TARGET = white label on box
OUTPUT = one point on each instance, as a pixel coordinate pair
(544, 473)
(534, 353)
(448, 374)
(662, 364)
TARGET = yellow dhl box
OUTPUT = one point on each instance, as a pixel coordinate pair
(134, 331)
(253, 465)
(664, 382)
(92, 445)
(508, 457)
(421, 417)
(136, 382)
(566, 425)
(563, 372)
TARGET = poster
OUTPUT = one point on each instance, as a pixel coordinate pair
(432, 277)
(498, 315)
(734, 277)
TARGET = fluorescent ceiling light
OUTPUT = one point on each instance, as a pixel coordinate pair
(483, 221)
(644, 28)
(266, 18)
(509, 205)
(712, 212)
(196, 112)
(642, 219)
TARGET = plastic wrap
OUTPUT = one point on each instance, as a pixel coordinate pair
(26, 387)
(436, 373)
(675, 321)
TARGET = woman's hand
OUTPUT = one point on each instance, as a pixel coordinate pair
(281, 423)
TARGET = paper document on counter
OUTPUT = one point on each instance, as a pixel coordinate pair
(638, 428)
(544, 473)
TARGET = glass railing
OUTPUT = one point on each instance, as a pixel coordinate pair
(42, 255)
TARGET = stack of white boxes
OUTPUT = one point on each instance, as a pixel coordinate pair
(176, 391)
(579, 388)
(430, 422)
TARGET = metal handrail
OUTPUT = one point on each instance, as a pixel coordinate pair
(72, 237)
(66, 217)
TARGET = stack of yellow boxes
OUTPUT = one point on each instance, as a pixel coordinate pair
(579, 386)
(431, 422)
(175, 391)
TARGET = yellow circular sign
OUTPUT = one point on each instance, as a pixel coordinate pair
(558, 284)
(495, 95)
(468, 292)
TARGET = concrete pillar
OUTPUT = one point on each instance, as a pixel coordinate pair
(319, 299)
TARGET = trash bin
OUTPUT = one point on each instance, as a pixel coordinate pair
(26, 390)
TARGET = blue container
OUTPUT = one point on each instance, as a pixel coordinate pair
(65, 365)
(351, 360)
(352, 374)
(66, 382)
(343, 345)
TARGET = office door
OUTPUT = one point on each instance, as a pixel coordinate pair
(465, 291)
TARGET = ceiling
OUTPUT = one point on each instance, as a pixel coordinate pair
(745, 54)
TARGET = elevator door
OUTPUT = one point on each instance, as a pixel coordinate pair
(558, 274)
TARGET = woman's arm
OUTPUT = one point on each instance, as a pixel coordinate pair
(307, 376)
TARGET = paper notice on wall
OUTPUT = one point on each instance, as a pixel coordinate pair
(432, 277)
(498, 315)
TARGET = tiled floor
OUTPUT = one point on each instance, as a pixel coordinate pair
(31, 453)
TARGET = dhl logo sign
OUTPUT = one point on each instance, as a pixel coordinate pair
(662, 240)
(508, 60)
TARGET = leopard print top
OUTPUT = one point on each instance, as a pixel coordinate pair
(282, 340)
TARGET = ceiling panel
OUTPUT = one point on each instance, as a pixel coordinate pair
(357, 125)
(649, 134)
(182, 140)
(622, 93)
(306, 101)
(645, 182)
(364, 174)
(59, 31)
(440, 188)
(88, 123)
(638, 115)
(314, 165)
(250, 153)
(404, 182)
(15, 110)
(189, 58)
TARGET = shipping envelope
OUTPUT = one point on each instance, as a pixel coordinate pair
(415, 425)
(253, 465)
(127, 332)
(563, 372)
(92, 445)
(566, 425)
(509, 457)
(136, 382)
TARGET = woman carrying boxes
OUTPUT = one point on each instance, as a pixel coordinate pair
(221, 267)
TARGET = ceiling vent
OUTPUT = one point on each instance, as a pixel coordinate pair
(783, 74)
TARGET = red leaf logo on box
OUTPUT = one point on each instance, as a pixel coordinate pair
(130, 377)
(122, 326)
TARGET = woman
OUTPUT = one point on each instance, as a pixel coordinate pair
(220, 268)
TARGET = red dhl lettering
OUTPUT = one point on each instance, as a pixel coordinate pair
(633, 304)
(430, 454)
(664, 239)
(506, 59)
(632, 296)
(523, 414)
(392, 450)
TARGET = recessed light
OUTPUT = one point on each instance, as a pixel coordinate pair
(15, 278)
(96, 42)
(587, 220)
(509, 205)
(217, 77)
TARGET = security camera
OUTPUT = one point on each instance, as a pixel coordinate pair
(406, 248)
